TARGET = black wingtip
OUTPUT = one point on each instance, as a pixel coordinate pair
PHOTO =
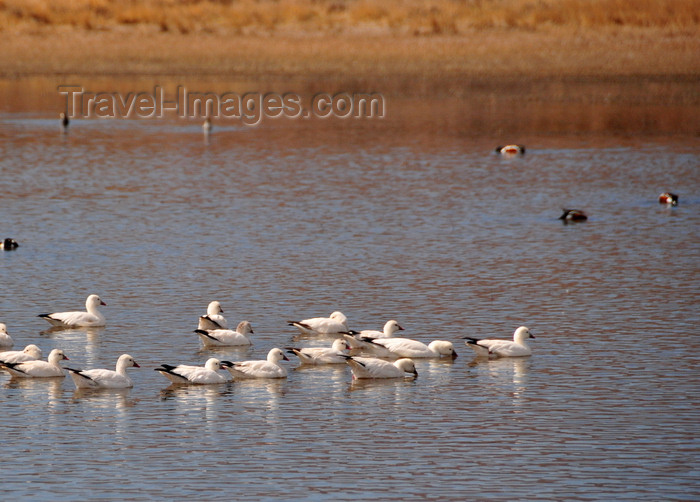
(204, 333)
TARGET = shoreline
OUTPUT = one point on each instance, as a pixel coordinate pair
(479, 56)
(624, 79)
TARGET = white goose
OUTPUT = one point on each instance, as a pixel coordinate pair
(269, 368)
(30, 353)
(335, 324)
(6, 340)
(105, 379)
(369, 367)
(183, 373)
(226, 337)
(38, 369)
(213, 318)
(362, 339)
(503, 348)
(335, 354)
(405, 347)
(93, 317)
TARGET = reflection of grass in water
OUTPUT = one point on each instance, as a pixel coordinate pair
(407, 16)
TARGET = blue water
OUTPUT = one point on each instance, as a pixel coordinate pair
(290, 221)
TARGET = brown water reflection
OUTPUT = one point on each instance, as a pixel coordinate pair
(504, 107)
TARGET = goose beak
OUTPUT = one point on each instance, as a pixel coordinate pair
(103, 303)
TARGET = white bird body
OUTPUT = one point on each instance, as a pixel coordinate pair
(323, 355)
(363, 340)
(213, 318)
(405, 347)
(268, 368)
(103, 378)
(37, 369)
(226, 337)
(336, 323)
(200, 375)
(6, 340)
(517, 347)
(92, 316)
(370, 367)
(30, 353)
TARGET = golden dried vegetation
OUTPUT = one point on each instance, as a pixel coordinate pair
(417, 17)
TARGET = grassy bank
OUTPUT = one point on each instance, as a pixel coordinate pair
(416, 17)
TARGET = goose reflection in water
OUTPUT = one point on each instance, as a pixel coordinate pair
(506, 374)
(83, 341)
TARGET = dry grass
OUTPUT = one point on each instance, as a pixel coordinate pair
(323, 16)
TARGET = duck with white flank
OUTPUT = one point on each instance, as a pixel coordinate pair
(668, 198)
(510, 150)
(8, 244)
(573, 215)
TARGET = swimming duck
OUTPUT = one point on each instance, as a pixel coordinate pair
(668, 198)
(573, 215)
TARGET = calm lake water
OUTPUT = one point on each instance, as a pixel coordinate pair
(411, 218)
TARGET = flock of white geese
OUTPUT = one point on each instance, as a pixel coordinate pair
(369, 354)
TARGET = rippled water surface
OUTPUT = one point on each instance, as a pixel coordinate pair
(384, 220)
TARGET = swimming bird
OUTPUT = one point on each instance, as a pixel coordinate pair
(668, 198)
(362, 339)
(503, 348)
(390, 327)
(65, 121)
(105, 379)
(93, 317)
(213, 318)
(335, 324)
(30, 353)
(8, 244)
(226, 337)
(573, 215)
(405, 347)
(6, 340)
(37, 369)
(369, 367)
(183, 373)
(335, 354)
(207, 126)
(268, 368)
(510, 150)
